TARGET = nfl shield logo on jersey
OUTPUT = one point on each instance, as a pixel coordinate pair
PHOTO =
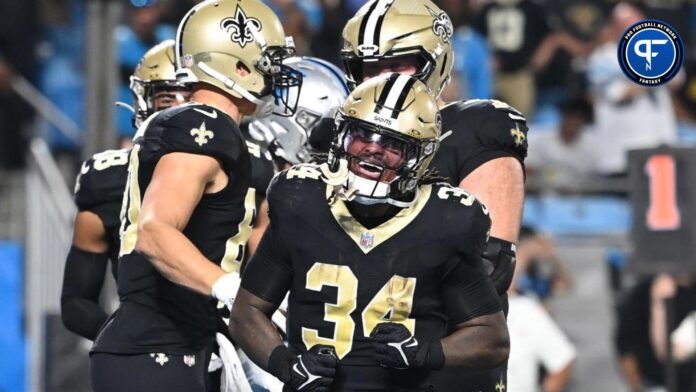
(190, 360)
(366, 240)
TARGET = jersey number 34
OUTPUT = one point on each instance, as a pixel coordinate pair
(393, 303)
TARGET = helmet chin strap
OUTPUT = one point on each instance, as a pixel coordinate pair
(264, 106)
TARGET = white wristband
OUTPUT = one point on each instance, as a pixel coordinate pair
(225, 289)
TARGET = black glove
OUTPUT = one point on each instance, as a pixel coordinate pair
(312, 371)
(397, 348)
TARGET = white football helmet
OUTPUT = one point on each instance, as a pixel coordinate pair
(324, 89)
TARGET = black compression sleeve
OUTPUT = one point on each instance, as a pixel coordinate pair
(268, 274)
(82, 282)
(499, 256)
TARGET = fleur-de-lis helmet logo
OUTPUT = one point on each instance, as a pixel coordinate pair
(442, 25)
(241, 27)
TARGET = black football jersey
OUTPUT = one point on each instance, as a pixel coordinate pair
(262, 170)
(482, 130)
(420, 268)
(99, 188)
(157, 315)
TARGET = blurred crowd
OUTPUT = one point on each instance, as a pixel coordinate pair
(555, 60)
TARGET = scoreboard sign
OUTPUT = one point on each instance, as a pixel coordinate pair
(662, 185)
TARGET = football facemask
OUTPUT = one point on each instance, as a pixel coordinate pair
(383, 165)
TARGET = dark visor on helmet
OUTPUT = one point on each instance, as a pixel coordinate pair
(384, 148)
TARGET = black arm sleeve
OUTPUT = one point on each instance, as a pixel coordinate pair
(499, 256)
(467, 291)
(82, 282)
(269, 274)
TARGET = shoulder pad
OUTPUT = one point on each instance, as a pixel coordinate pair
(102, 179)
(494, 123)
(295, 186)
(473, 220)
(198, 129)
(304, 171)
(445, 191)
(292, 178)
(492, 104)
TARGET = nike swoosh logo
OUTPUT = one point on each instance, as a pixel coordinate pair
(212, 114)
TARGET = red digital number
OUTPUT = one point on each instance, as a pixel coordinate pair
(663, 212)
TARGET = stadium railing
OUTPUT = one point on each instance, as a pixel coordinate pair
(48, 238)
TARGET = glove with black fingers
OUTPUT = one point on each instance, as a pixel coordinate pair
(312, 371)
(397, 348)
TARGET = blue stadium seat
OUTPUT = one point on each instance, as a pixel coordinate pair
(578, 215)
(12, 340)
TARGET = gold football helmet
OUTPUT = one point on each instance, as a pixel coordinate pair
(239, 47)
(392, 29)
(388, 131)
(154, 85)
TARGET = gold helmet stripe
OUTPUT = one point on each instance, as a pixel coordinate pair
(372, 25)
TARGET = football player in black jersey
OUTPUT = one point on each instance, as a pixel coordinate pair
(484, 153)
(378, 260)
(188, 205)
(98, 194)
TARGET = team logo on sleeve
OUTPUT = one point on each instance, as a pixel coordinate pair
(241, 27)
(201, 135)
(518, 135)
(651, 53)
(442, 25)
(500, 386)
